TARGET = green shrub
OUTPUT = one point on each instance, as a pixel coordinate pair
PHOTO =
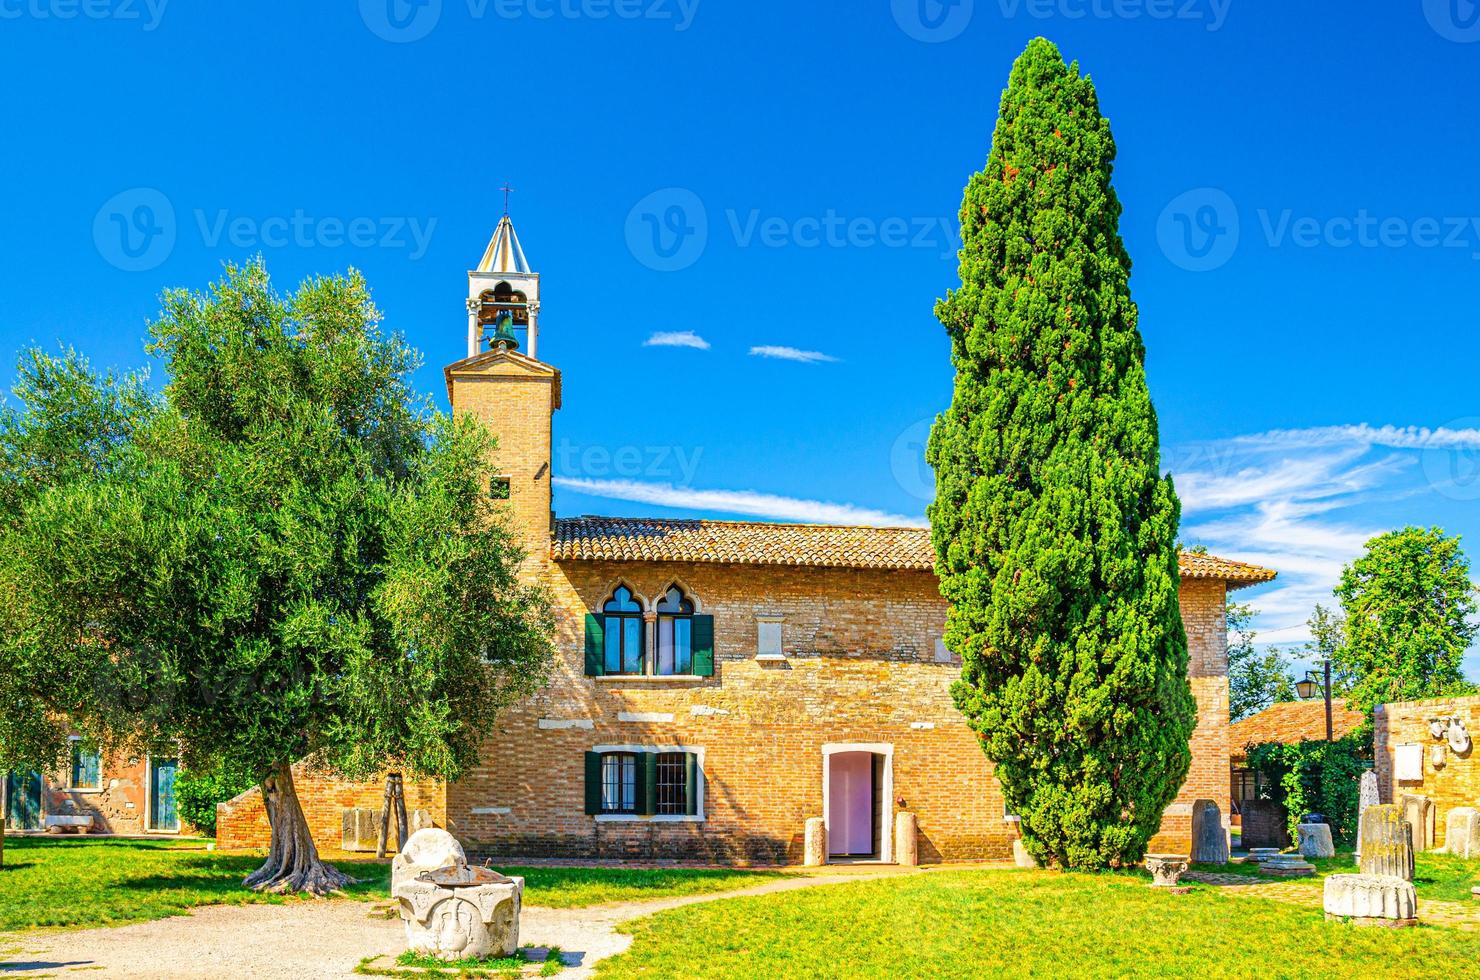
(198, 791)
(1316, 776)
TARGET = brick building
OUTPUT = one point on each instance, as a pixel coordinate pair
(120, 793)
(718, 683)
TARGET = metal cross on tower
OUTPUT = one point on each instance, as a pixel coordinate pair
(507, 191)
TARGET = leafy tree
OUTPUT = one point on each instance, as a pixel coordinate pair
(285, 554)
(199, 791)
(1255, 680)
(1408, 605)
(1316, 776)
(1054, 531)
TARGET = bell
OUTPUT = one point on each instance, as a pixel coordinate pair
(503, 332)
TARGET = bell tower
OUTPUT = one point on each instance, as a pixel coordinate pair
(505, 387)
(503, 296)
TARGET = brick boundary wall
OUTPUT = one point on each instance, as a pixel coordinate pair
(1456, 783)
(242, 822)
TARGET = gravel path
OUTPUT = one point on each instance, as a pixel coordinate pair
(302, 940)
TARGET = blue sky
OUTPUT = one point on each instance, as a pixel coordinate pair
(773, 186)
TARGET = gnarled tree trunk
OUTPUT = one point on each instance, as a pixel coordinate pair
(293, 863)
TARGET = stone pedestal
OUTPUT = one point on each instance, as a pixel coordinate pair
(1386, 842)
(1261, 854)
(1287, 866)
(1022, 858)
(906, 840)
(1209, 838)
(1315, 840)
(453, 923)
(426, 850)
(815, 854)
(1419, 812)
(1462, 832)
(1166, 869)
(1371, 900)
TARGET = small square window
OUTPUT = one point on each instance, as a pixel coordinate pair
(498, 488)
(942, 655)
(768, 638)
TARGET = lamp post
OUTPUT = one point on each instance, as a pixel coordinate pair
(1308, 688)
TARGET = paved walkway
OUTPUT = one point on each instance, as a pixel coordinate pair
(302, 940)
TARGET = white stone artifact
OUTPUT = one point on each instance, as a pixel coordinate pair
(426, 850)
(1371, 900)
(815, 855)
(1209, 838)
(1287, 866)
(1022, 858)
(460, 912)
(1166, 869)
(1462, 832)
(1459, 738)
(1261, 854)
(1367, 795)
(906, 840)
(1419, 812)
(1408, 764)
(1386, 842)
(1315, 840)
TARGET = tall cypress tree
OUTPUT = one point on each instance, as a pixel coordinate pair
(1054, 531)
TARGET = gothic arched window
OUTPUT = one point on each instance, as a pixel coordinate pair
(675, 639)
(622, 633)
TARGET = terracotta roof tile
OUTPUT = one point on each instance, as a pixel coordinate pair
(805, 545)
(1289, 722)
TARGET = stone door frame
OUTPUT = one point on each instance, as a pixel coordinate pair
(882, 833)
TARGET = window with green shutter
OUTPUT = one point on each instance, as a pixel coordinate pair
(595, 644)
(643, 783)
(703, 643)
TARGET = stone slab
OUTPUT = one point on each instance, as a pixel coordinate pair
(1315, 840)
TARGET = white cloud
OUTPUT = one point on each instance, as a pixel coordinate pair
(1286, 498)
(676, 338)
(792, 354)
(1388, 436)
(749, 503)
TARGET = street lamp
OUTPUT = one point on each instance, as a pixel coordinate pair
(1308, 688)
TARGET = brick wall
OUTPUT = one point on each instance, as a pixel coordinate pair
(118, 806)
(1456, 783)
(1207, 645)
(242, 822)
(861, 669)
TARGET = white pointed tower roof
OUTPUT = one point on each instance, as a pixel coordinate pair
(504, 253)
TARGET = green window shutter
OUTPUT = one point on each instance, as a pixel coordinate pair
(593, 782)
(703, 646)
(647, 783)
(595, 646)
(691, 777)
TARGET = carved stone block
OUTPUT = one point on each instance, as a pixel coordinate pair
(1380, 900)
(1315, 840)
(1209, 838)
(1386, 842)
(1462, 832)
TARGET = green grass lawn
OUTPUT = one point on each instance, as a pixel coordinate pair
(50, 882)
(984, 923)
